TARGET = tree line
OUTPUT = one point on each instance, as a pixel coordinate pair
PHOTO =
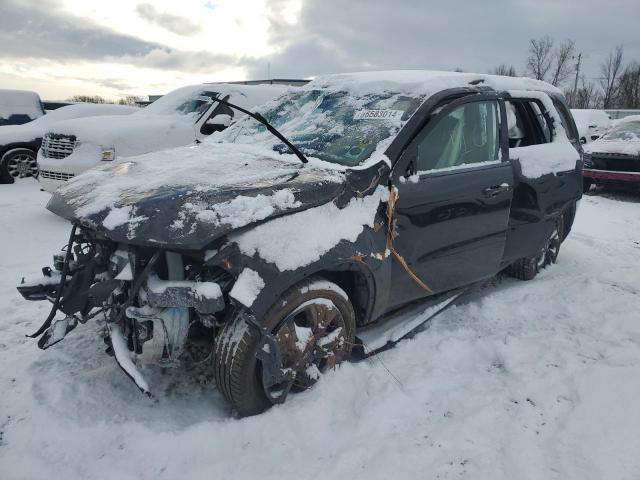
(560, 63)
(128, 100)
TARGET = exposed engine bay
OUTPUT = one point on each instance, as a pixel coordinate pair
(148, 298)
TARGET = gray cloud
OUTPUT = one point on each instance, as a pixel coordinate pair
(30, 29)
(34, 30)
(173, 23)
(338, 36)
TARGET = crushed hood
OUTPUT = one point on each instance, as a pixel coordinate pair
(186, 198)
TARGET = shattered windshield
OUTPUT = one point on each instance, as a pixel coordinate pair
(629, 131)
(336, 127)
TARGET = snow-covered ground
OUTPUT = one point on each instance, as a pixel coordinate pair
(530, 380)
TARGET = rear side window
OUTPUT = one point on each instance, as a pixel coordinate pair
(567, 120)
(527, 124)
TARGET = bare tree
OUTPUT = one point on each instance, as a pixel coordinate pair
(88, 99)
(540, 57)
(627, 91)
(504, 69)
(131, 100)
(562, 67)
(586, 96)
(610, 69)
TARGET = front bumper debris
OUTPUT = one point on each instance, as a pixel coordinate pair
(147, 318)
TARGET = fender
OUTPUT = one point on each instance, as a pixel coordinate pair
(12, 147)
(371, 263)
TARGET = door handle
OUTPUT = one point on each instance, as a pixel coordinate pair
(495, 190)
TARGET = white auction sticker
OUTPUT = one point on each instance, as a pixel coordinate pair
(378, 115)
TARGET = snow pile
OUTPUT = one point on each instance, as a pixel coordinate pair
(247, 287)
(240, 211)
(558, 156)
(301, 238)
(526, 380)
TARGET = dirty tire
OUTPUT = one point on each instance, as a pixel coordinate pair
(238, 371)
(527, 268)
(586, 184)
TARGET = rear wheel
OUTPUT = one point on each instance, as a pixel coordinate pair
(18, 164)
(313, 325)
(586, 184)
(527, 268)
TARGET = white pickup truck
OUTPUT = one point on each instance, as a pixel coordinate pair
(183, 116)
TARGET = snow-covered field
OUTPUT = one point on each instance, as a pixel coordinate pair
(530, 380)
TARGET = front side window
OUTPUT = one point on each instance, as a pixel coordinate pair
(467, 135)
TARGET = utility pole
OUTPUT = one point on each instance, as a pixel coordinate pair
(575, 83)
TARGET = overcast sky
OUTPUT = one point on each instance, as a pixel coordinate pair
(118, 47)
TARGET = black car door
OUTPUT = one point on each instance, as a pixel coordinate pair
(453, 198)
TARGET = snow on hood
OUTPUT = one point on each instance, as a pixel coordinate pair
(38, 127)
(302, 238)
(619, 139)
(210, 191)
(131, 135)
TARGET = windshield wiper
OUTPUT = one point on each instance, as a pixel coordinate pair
(266, 123)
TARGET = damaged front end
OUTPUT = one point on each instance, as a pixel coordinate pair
(148, 298)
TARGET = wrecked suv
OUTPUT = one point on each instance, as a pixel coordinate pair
(337, 221)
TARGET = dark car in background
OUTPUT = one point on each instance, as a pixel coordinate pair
(288, 243)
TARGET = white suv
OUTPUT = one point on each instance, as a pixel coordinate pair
(184, 116)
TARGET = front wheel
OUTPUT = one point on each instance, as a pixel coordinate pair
(313, 327)
(527, 268)
(586, 184)
(18, 164)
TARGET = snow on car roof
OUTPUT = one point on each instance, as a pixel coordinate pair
(247, 96)
(20, 102)
(422, 82)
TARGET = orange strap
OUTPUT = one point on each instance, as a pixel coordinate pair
(391, 208)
